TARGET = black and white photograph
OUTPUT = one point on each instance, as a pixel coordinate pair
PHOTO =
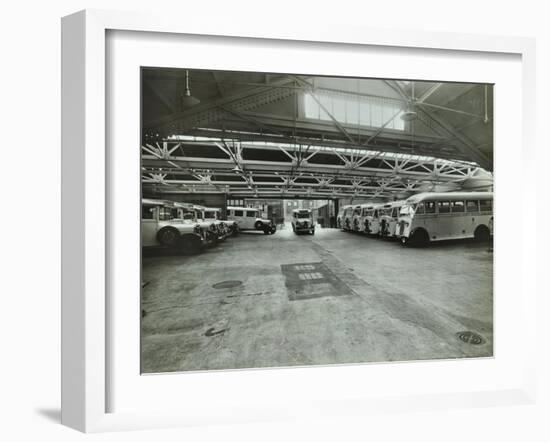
(294, 219)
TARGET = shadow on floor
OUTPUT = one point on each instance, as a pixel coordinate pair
(51, 414)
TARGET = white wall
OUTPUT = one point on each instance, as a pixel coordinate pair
(29, 285)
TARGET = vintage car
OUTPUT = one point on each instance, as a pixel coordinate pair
(389, 215)
(161, 226)
(187, 214)
(214, 229)
(231, 227)
(210, 216)
(356, 218)
(371, 219)
(249, 218)
(347, 215)
(302, 221)
(429, 217)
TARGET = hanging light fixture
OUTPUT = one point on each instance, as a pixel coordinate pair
(187, 100)
(409, 114)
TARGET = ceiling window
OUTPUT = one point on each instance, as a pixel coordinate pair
(353, 110)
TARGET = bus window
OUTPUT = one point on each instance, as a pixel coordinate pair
(419, 209)
(429, 206)
(251, 213)
(472, 206)
(457, 206)
(443, 206)
(485, 205)
(239, 213)
(147, 212)
(165, 214)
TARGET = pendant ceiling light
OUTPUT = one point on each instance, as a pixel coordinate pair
(409, 114)
(187, 100)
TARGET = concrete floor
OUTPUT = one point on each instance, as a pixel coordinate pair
(331, 298)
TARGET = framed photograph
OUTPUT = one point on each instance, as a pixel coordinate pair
(262, 225)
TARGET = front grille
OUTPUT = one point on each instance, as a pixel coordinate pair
(402, 227)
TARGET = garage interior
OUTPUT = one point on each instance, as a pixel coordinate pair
(284, 141)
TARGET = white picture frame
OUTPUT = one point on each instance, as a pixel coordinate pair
(85, 233)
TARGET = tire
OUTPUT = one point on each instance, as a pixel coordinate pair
(419, 238)
(482, 234)
(258, 225)
(168, 236)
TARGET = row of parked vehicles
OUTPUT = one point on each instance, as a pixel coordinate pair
(190, 227)
(424, 217)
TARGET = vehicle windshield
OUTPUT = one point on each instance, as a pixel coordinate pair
(407, 209)
(303, 215)
(210, 215)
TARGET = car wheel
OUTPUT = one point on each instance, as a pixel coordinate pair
(420, 238)
(482, 234)
(258, 225)
(168, 236)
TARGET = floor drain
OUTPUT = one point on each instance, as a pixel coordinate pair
(227, 284)
(470, 337)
